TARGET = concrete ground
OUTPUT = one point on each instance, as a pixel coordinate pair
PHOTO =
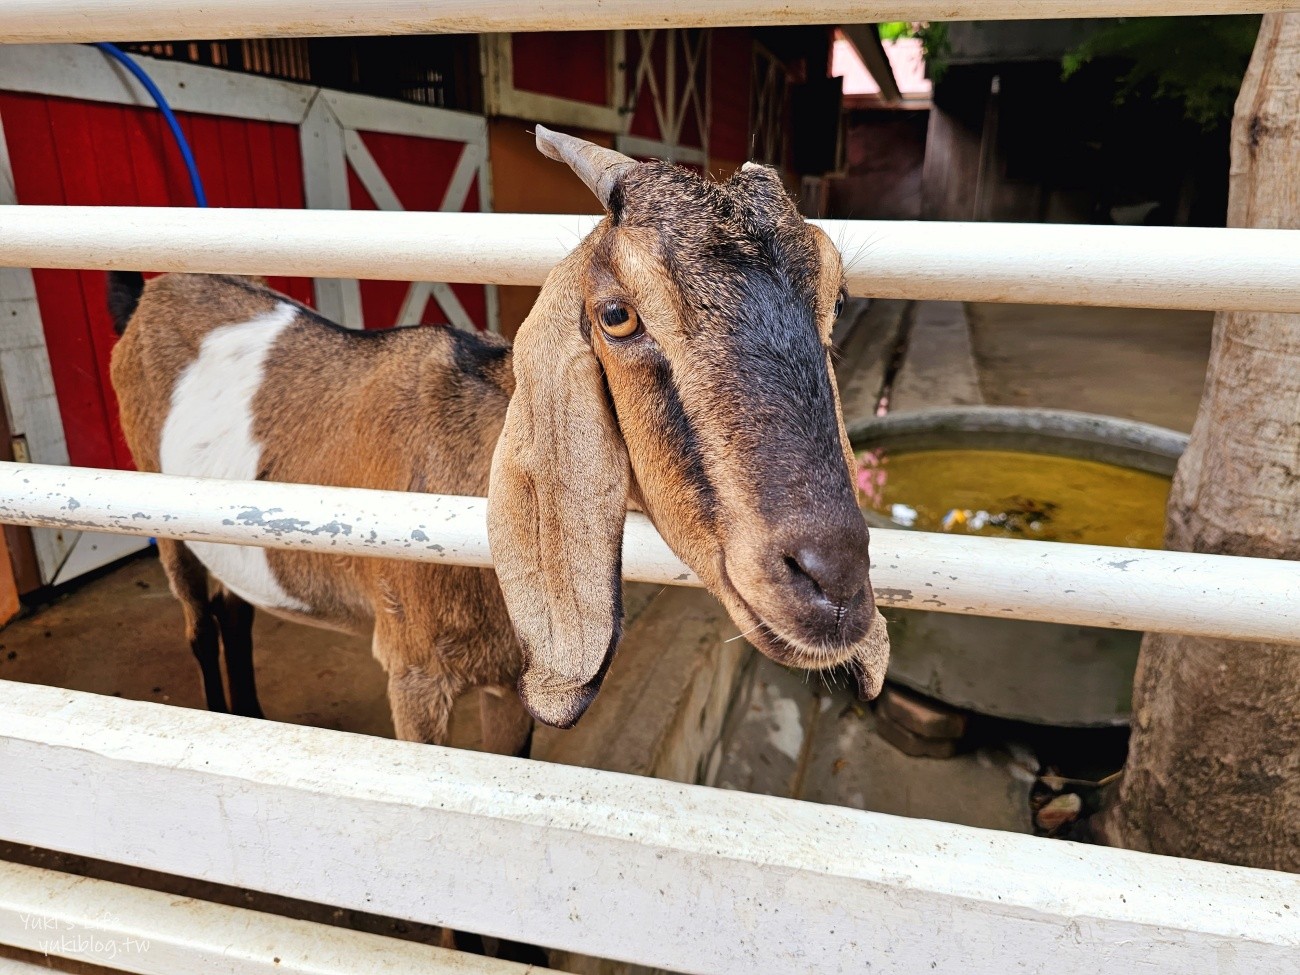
(121, 635)
(1140, 364)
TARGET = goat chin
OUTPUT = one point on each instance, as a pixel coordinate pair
(867, 659)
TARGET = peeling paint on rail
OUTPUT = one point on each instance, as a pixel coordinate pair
(1086, 585)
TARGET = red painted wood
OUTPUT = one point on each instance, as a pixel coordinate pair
(573, 65)
(285, 174)
(418, 171)
(79, 168)
(153, 178)
(733, 56)
(38, 178)
(473, 297)
(645, 122)
(66, 151)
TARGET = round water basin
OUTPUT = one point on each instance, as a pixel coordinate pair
(1049, 475)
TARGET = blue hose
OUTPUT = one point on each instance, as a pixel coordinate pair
(128, 62)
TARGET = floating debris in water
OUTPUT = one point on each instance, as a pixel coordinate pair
(901, 514)
(1015, 495)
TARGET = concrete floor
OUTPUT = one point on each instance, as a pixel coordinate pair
(121, 635)
(1140, 364)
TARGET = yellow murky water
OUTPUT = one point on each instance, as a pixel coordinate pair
(1015, 495)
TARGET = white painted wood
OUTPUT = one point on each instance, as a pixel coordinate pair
(76, 71)
(1139, 267)
(325, 187)
(413, 305)
(150, 933)
(669, 104)
(467, 167)
(635, 145)
(485, 205)
(370, 114)
(38, 21)
(451, 306)
(381, 191)
(363, 163)
(681, 877)
(10, 966)
(472, 162)
(26, 380)
(94, 550)
(1091, 585)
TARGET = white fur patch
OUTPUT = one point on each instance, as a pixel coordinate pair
(209, 433)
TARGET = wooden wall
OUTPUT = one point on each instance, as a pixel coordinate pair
(525, 181)
(66, 151)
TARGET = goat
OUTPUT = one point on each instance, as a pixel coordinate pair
(676, 362)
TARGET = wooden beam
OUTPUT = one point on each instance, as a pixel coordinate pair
(46, 21)
(634, 869)
(151, 933)
(865, 39)
(1129, 267)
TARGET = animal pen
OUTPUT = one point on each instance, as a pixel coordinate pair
(679, 877)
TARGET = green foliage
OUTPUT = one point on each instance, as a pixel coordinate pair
(937, 46)
(1198, 61)
(934, 41)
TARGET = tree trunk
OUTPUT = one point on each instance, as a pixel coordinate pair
(1214, 764)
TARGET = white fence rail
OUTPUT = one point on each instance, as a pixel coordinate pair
(1133, 267)
(1138, 589)
(152, 933)
(39, 21)
(682, 877)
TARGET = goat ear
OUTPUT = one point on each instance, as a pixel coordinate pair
(556, 506)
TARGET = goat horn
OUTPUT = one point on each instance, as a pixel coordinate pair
(598, 167)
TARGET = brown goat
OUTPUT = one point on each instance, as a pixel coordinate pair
(676, 362)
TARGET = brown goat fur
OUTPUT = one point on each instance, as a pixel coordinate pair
(716, 414)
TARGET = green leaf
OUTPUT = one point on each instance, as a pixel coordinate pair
(1198, 61)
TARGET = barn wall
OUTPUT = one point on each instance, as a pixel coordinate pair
(583, 54)
(73, 132)
(80, 134)
(418, 171)
(525, 181)
(66, 151)
(729, 136)
(78, 152)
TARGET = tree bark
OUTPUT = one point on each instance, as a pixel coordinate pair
(1214, 762)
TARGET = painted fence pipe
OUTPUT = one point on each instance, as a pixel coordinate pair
(1133, 267)
(1089, 585)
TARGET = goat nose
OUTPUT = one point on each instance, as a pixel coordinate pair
(839, 572)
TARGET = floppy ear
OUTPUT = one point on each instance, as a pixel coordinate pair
(556, 506)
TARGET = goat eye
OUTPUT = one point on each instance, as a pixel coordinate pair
(619, 320)
(839, 306)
